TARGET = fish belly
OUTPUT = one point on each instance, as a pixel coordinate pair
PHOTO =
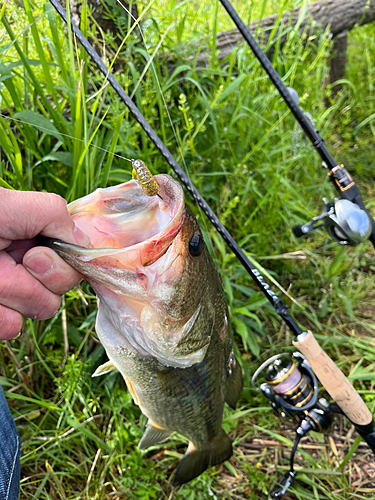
(185, 400)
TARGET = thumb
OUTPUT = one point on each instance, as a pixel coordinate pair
(24, 214)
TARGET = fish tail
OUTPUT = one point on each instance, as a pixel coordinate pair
(195, 461)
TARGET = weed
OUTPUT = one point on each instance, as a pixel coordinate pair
(63, 129)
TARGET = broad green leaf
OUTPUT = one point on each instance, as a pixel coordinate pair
(60, 156)
(247, 336)
(38, 121)
(232, 87)
(245, 312)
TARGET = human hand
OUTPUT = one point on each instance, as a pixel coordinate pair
(33, 278)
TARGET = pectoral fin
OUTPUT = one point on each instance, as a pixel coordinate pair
(102, 369)
(233, 384)
(153, 435)
(196, 461)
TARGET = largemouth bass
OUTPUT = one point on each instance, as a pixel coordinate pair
(162, 317)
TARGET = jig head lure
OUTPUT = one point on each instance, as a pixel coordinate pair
(142, 174)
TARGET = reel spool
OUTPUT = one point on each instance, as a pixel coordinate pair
(292, 390)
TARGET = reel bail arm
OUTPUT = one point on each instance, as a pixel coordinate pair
(291, 386)
(349, 191)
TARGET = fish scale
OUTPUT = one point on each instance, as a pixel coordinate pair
(163, 317)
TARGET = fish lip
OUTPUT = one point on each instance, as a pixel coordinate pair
(150, 249)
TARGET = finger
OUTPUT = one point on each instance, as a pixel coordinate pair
(32, 213)
(10, 323)
(19, 290)
(18, 249)
(47, 267)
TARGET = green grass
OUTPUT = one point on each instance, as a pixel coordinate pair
(243, 152)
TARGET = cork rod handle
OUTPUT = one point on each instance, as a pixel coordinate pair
(334, 381)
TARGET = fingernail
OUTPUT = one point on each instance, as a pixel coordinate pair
(40, 263)
(80, 237)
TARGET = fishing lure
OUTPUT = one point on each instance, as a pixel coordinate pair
(327, 372)
(143, 175)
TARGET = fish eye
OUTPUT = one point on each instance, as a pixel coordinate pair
(196, 244)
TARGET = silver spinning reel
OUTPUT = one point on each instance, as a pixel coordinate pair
(343, 220)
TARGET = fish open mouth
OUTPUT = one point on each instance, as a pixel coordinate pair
(134, 265)
(123, 222)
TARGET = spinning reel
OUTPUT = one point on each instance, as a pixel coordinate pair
(292, 389)
(345, 221)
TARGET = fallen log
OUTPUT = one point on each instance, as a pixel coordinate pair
(339, 15)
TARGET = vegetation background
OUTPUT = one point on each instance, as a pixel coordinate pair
(244, 153)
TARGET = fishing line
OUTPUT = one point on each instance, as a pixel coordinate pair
(328, 373)
(276, 302)
(145, 69)
(151, 63)
(65, 135)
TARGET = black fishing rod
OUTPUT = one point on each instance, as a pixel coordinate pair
(331, 377)
(347, 221)
(276, 302)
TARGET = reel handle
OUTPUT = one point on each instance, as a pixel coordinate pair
(297, 231)
(333, 380)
